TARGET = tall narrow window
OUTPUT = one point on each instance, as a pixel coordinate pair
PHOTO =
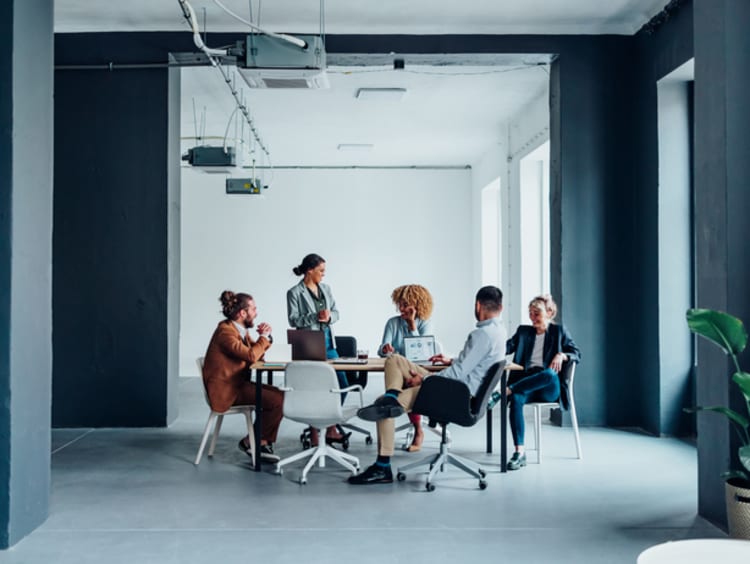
(491, 233)
(534, 217)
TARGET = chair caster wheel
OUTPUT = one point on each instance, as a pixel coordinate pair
(430, 487)
(345, 444)
(401, 476)
(279, 472)
(482, 485)
(302, 481)
(368, 440)
(482, 473)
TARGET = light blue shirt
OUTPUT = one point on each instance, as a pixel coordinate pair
(484, 346)
(396, 329)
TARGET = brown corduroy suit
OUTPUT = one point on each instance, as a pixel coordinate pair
(225, 375)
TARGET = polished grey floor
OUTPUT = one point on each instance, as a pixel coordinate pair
(133, 495)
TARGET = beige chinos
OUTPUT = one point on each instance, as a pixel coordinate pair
(396, 371)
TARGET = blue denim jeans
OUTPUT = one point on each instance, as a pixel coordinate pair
(538, 386)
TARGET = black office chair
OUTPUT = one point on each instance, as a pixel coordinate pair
(347, 346)
(446, 401)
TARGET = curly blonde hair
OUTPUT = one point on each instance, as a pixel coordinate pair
(414, 295)
(545, 303)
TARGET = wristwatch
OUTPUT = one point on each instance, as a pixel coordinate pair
(269, 337)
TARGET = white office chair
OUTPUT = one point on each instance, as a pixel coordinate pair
(313, 397)
(568, 375)
(246, 410)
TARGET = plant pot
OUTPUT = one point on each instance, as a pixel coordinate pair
(737, 492)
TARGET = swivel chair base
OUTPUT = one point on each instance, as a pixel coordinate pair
(318, 454)
(436, 463)
(409, 437)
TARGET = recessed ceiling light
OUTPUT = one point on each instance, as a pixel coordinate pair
(355, 147)
(381, 94)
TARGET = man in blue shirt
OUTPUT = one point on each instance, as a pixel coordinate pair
(484, 346)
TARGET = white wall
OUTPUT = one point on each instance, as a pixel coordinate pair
(376, 229)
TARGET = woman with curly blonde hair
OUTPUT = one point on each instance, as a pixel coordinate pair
(414, 303)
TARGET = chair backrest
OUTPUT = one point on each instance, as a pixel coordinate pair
(346, 345)
(449, 401)
(311, 383)
(567, 375)
(488, 385)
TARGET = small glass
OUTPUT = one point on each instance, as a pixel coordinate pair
(363, 354)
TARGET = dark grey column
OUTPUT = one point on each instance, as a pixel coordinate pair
(26, 57)
(116, 244)
(722, 206)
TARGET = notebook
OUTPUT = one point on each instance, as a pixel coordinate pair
(307, 344)
(419, 349)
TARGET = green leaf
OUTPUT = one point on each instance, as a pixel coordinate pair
(742, 379)
(725, 330)
(744, 453)
(731, 414)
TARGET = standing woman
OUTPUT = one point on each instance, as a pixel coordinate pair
(310, 305)
(414, 304)
(541, 348)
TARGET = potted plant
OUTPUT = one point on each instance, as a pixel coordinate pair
(728, 332)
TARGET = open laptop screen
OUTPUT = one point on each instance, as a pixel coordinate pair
(307, 344)
(419, 349)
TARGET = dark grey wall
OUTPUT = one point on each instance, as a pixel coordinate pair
(6, 198)
(722, 205)
(112, 264)
(26, 57)
(657, 54)
(587, 188)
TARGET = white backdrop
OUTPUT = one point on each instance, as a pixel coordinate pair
(376, 229)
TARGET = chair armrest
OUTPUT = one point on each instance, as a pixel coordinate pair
(354, 388)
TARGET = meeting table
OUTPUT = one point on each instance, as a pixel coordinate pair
(375, 364)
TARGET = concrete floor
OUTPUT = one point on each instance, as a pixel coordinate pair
(134, 496)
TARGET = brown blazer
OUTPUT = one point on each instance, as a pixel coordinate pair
(225, 368)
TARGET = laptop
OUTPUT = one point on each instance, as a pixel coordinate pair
(419, 349)
(307, 344)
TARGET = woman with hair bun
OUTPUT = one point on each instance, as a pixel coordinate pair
(310, 305)
(414, 303)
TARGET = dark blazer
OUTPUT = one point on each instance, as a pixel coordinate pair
(226, 364)
(521, 345)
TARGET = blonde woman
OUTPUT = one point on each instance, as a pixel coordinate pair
(541, 348)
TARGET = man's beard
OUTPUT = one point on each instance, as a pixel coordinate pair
(249, 323)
